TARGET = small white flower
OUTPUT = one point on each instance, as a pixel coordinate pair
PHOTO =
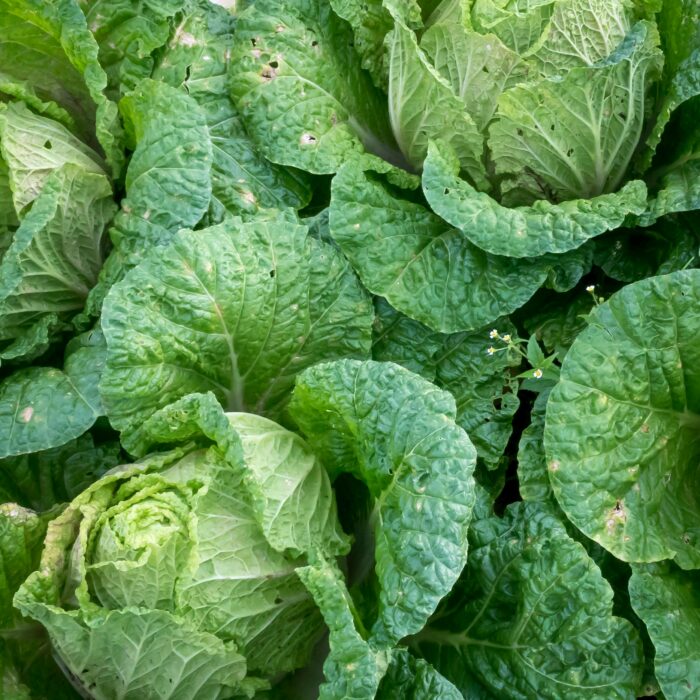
(537, 374)
(590, 288)
(491, 350)
(506, 338)
(493, 334)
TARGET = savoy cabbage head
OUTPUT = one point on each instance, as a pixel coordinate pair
(214, 562)
(188, 557)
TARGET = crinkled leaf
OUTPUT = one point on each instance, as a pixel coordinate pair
(397, 338)
(484, 391)
(27, 670)
(422, 266)
(621, 430)
(568, 268)
(410, 677)
(170, 553)
(532, 617)
(128, 35)
(518, 25)
(34, 340)
(396, 432)
(557, 320)
(678, 191)
(44, 407)
(237, 309)
(268, 505)
(533, 481)
(667, 599)
(370, 22)
(629, 255)
(244, 182)
(196, 58)
(300, 87)
(678, 24)
(39, 480)
(581, 33)
(353, 669)
(290, 490)
(168, 179)
(525, 230)
(21, 91)
(8, 215)
(148, 648)
(21, 535)
(57, 251)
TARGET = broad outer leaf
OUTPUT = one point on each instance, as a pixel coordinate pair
(532, 617)
(237, 309)
(300, 87)
(395, 431)
(33, 147)
(526, 230)
(57, 252)
(48, 46)
(168, 181)
(668, 602)
(621, 434)
(43, 407)
(484, 391)
(423, 267)
(149, 648)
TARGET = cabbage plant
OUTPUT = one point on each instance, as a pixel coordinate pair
(195, 570)
(534, 128)
(168, 574)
